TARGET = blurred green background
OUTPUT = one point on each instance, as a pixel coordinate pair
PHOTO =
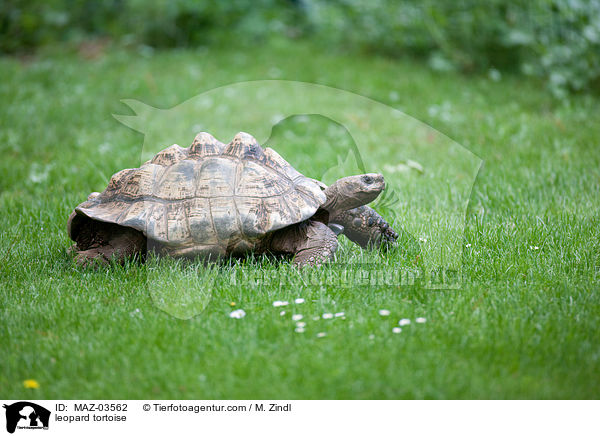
(557, 40)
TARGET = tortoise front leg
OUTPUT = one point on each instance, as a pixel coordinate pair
(365, 227)
(312, 242)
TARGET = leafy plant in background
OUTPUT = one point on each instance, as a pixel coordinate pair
(569, 55)
(27, 24)
(558, 40)
(555, 39)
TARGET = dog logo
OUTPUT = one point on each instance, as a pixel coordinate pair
(26, 415)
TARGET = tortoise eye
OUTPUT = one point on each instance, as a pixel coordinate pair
(367, 179)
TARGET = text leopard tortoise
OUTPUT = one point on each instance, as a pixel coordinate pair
(213, 200)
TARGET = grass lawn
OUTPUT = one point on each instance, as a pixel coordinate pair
(525, 323)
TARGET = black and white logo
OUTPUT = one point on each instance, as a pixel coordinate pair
(26, 415)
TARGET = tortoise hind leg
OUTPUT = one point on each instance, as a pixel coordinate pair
(104, 242)
(312, 242)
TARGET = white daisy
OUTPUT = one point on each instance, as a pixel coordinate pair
(297, 317)
(404, 322)
(384, 312)
(237, 314)
(299, 300)
(280, 303)
(420, 320)
(396, 330)
(321, 334)
(327, 315)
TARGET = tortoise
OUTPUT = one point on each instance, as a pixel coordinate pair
(213, 200)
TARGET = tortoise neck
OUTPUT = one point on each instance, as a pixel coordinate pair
(339, 200)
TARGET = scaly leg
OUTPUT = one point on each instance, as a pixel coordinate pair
(365, 227)
(105, 241)
(312, 242)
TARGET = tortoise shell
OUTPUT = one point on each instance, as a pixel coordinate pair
(209, 198)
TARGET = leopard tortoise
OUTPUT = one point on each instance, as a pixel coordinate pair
(213, 200)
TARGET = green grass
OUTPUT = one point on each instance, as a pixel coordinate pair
(525, 324)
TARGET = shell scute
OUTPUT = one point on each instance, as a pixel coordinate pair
(205, 145)
(136, 215)
(118, 179)
(256, 181)
(199, 220)
(244, 146)
(224, 217)
(274, 160)
(215, 177)
(177, 182)
(156, 223)
(177, 224)
(170, 155)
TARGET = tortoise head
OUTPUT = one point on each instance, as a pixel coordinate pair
(353, 191)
